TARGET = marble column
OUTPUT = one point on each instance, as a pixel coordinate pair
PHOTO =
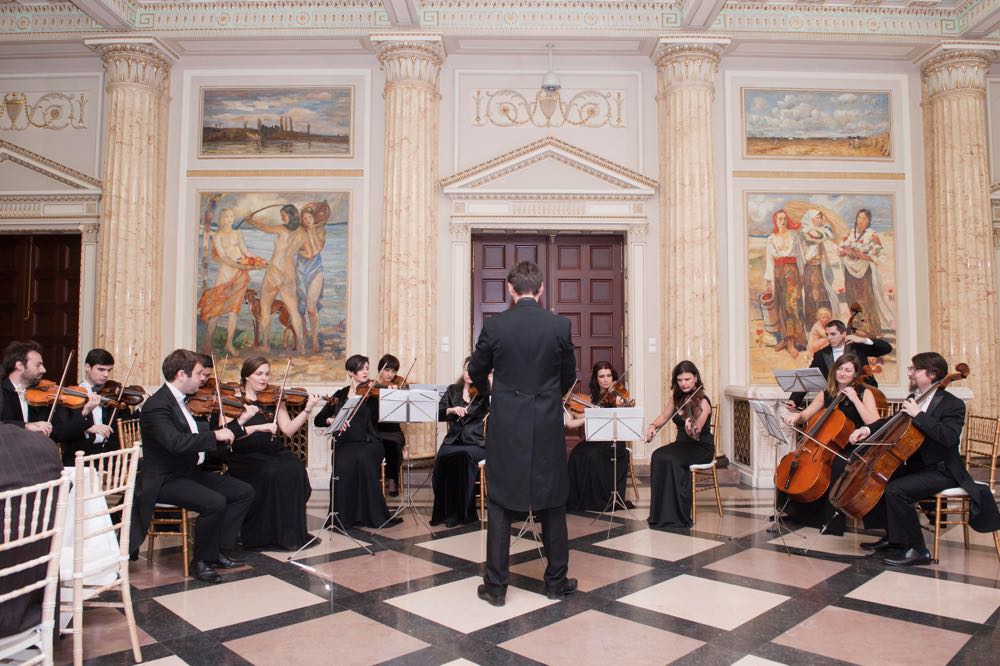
(689, 326)
(409, 248)
(130, 268)
(960, 262)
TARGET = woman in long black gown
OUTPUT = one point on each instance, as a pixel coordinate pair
(591, 464)
(858, 405)
(670, 476)
(462, 448)
(357, 455)
(277, 516)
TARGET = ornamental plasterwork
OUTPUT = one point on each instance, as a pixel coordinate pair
(62, 211)
(860, 20)
(46, 167)
(51, 110)
(512, 108)
(957, 70)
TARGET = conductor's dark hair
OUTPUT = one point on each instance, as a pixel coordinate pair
(293, 217)
(931, 362)
(17, 352)
(178, 360)
(98, 356)
(837, 324)
(525, 278)
(355, 363)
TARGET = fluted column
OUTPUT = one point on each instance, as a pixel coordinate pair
(689, 281)
(130, 268)
(961, 270)
(408, 287)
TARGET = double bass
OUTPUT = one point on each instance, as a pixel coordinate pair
(863, 483)
(804, 474)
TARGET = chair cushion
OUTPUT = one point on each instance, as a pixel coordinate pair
(953, 492)
(163, 505)
(708, 465)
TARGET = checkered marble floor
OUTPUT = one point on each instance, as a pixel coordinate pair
(726, 592)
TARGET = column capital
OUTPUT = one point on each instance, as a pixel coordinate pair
(134, 60)
(689, 59)
(410, 58)
(957, 67)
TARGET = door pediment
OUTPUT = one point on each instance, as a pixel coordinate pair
(549, 168)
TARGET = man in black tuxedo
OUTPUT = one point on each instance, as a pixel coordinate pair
(91, 429)
(22, 369)
(530, 352)
(26, 458)
(936, 465)
(842, 342)
(173, 446)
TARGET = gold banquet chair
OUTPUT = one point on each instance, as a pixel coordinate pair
(706, 472)
(174, 519)
(98, 479)
(982, 443)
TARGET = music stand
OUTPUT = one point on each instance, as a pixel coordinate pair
(804, 380)
(618, 424)
(408, 406)
(332, 522)
(766, 414)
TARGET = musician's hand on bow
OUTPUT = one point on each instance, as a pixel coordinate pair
(100, 429)
(859, 435)
(911, 407)
(651, 432)
(460, 412)
(224, 435)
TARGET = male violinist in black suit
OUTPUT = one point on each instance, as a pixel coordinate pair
(174, 445)
(842, 342)
(91, 429)
(936, 465)
(530, 352)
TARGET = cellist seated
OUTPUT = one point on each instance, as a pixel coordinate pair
(937, 464)
(846, 393)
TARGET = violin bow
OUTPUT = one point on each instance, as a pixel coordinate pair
(121, 391)
(277, 402)
(218, 394)
(62, 381)
(368, 391)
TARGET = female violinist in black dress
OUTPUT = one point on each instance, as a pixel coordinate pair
(462, 448)
(357, 454)
(670, 476)
(858, 405)
(393, 439)
(277, 517)
(591, 464)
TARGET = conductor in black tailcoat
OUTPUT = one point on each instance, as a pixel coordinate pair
(530, 352)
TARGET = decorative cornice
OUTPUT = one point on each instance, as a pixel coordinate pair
(62, 211)
(410, 58)
(955, 71)
(522, 155)
(50, 168)
(130, 61)
(683, 62)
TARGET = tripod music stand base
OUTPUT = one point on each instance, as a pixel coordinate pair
(406, 501)
(331, 523)
(529, 526)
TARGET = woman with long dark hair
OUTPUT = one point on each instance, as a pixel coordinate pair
(592, 477)
(277, 516)
(670, 477)
(462, 448)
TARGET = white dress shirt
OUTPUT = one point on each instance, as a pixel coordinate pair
(181, 398)
(98, 412)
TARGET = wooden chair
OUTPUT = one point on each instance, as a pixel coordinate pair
(482, 493)
(982, 442)
(707, 472)
(101, 477)
(44, 504)
(168, 519)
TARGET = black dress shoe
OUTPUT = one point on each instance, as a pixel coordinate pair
(393, 521)
(451, 522)
(567, 588)
(226, 562)
(911, 557)
(133, 556)
(492, 599)
(204, 572)
(881, 544)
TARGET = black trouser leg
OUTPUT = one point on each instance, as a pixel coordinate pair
(556, 541)
(900, 496)
(497, 548)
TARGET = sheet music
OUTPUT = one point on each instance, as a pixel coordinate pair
(345, 411)
(412, 406)
(806, 380)
(620, 424)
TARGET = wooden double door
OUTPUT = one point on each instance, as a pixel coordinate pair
(40, 297)
(584, 281)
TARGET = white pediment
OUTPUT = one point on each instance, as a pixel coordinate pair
(25, 171)
(549, 168)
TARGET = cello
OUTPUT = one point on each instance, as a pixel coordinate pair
(804, 474)
(863, 483)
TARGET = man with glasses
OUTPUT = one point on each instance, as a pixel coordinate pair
(936, 465)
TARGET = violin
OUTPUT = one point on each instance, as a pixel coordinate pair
(44, 393)
(577, 402)
(291, 396)
(863, 482)
(691, 411)
(616, 395)
(205, 403)
(372, 387)
(130, 395)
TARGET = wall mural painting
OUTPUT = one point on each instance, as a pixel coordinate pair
(810, 257)
(816, 123)
(296, 121)
(272, 280)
